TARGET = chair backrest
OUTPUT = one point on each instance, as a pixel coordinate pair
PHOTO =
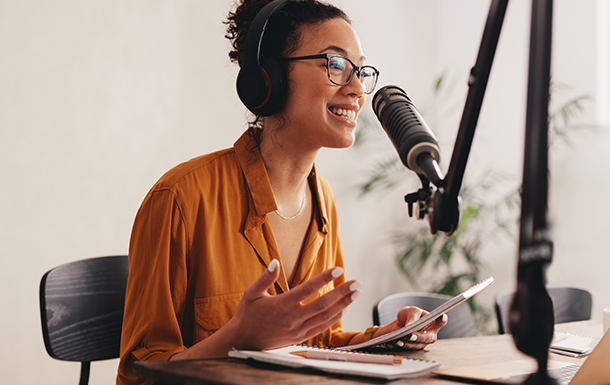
(461, 321)
(569, 304)
(81, 309)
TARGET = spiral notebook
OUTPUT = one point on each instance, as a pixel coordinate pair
(573, 345)
(409, 368)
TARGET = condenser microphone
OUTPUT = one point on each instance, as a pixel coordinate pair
(411, 136)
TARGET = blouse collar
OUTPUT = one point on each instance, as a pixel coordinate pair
(251, 162)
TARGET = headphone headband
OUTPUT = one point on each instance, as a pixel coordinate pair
(254, 36)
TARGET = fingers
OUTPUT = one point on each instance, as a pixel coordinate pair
(320, 328)
(332, 303)
(325, 311)
(419, 340)
(328, 309)
(314, 284)
(305, 320)
(438, 323)
(270, 275)
(409, 314)
(293, 321)
(341, 296)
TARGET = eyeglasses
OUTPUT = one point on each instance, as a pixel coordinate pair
(340, 73)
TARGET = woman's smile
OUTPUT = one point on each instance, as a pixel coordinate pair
(344, 113)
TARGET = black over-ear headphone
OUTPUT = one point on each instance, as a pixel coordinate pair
(261, 82)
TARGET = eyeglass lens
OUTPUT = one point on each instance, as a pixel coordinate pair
(341, 71)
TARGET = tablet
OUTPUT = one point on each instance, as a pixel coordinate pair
(423, 322)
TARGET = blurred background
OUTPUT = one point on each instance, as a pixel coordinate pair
(99, 98)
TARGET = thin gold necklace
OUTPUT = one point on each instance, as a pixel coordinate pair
(300, 210)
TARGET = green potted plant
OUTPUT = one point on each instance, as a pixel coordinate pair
(455, 260)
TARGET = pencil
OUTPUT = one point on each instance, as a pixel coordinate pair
(349, 357)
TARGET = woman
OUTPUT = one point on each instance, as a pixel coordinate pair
(239, 248)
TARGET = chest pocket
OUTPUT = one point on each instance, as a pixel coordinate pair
(211, 313)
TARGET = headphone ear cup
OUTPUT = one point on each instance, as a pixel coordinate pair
(252, 87)
(277, 86)
(261, 82)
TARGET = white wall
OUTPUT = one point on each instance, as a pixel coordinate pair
(99, 98)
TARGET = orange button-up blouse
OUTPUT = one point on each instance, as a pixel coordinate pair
(200, 237)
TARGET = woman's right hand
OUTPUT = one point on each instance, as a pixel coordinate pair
(264, 321)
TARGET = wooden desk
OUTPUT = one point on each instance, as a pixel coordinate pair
(448, 352)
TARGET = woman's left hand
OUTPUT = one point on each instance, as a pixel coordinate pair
(414, 341)
(418, 340)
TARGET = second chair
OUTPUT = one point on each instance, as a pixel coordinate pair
(569, 305)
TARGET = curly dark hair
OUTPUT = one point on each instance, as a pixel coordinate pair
(283, 31)
(282, 34)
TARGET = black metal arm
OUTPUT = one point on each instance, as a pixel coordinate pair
(532, 319)
(531, 310)
(443, 205)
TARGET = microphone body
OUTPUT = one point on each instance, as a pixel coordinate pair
(416, 145)
(419, 151)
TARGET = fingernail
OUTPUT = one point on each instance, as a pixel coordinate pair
(445, 318)
(413, 338)
(355, 286)
(356, 294)
(273, 265)
(399, 343)
(337, 272)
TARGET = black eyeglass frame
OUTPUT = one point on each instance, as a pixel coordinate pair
(355, 68)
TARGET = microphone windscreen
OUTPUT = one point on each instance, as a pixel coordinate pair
(405, 126)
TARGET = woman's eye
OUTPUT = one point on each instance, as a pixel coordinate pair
(336, 65)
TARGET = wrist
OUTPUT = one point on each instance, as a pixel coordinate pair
(234, 336)
(370, 333)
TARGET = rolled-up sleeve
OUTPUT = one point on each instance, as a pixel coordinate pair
(157, 284)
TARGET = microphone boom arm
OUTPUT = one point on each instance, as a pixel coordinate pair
(477, 83)
(446, 207)
(532, 315)
(531, 311)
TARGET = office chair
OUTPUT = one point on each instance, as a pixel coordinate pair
(81, 309)
(460, 324)
(569, 304)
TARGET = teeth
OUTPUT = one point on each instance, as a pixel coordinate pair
(347, 114)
